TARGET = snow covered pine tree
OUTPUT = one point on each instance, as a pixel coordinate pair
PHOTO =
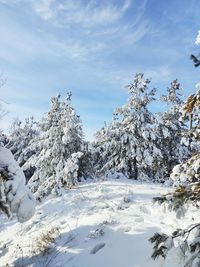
(129, 144)
(20, 139)
(171, 130)
(59, 148)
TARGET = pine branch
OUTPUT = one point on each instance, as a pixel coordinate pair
(183, 194)
(163, 243)
(195, 60)
(180, 232)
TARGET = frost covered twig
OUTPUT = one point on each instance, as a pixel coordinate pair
(190, 248)
(182, 195)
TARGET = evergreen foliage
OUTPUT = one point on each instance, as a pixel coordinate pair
(15, 197)
(171, 131)
(129, 144)
(58, 149)
(20, 138)
(187, 240)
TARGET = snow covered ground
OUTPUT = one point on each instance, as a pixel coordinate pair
(104, 224)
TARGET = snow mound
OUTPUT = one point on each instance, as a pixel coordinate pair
(19, 198)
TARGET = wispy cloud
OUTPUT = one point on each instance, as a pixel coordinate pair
(95, 19)
(44, 8)
(85, 23)
(87, 14)
(92, 47)
(160, 74)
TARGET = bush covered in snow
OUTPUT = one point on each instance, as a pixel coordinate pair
(15, 197)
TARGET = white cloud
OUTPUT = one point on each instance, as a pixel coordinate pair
(159, 74)
(11, 2)
(65, 13)
(135, 34)
(80, 20)
(198, 39)
(87, 33)
(44, 8)
(126, 5)
(123, 77)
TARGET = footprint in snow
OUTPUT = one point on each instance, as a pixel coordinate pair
(145, 210)
(125, 229)
(97, 248)
(139, 219)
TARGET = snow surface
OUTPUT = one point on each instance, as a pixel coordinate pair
(103, 224)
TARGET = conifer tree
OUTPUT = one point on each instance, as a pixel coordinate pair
(20, 138)
(58, 149)
(188, 171)
(129, 143)
(171, 131)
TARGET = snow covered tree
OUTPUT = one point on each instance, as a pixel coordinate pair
(86, 162)
(20, 139)
(59, 149)
(189, 171)
(187, 174)
(15, 197)
(3, 139)
(129, 144)
(171, 130)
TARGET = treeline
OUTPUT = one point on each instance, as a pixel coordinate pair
(137, 144)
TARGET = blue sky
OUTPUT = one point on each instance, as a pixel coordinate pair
(92, 48)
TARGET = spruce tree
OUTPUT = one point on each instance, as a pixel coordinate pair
(20, 138)
(58, 149)
(171, 131)
(189, 171)
(129, 143)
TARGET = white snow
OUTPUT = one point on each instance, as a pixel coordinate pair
(20, 199)
(103, 224)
